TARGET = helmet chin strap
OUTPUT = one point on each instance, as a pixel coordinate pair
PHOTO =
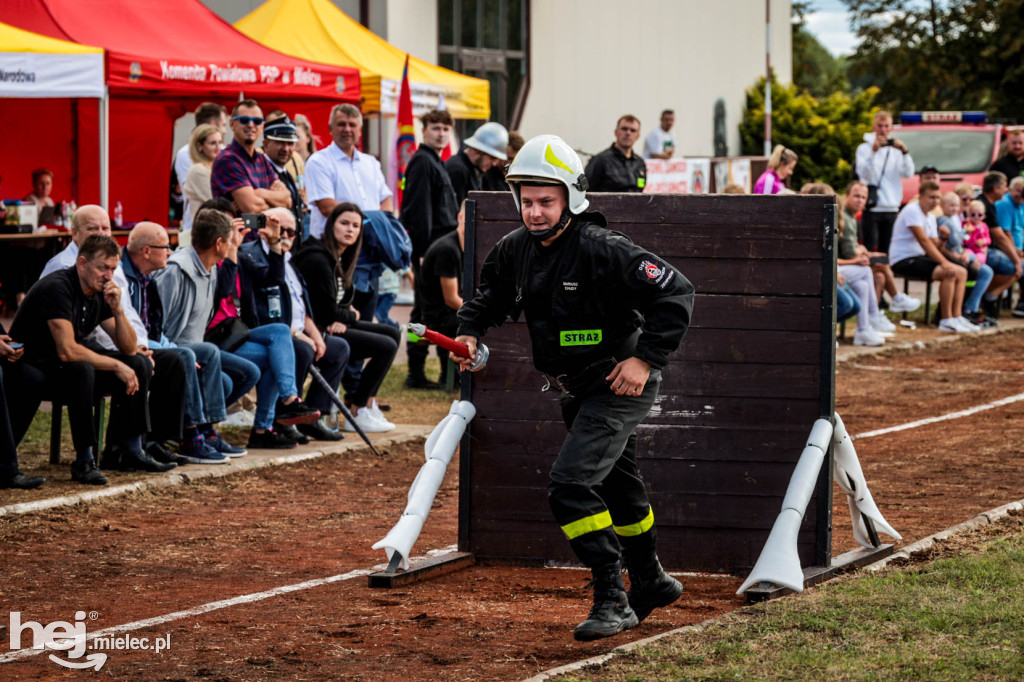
(544, 235)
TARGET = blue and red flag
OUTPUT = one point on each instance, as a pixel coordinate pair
(405, 139)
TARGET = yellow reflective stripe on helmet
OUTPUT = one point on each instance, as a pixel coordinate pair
(549, 156)
(636, 528)
(587, 524)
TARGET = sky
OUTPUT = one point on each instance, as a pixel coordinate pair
(828, 22)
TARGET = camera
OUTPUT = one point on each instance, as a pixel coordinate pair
(890, 142)
(254, 221)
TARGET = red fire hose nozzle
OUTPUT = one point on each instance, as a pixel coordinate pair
(420, 331)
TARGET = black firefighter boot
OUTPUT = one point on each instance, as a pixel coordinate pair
(650, 587)
(610, 614)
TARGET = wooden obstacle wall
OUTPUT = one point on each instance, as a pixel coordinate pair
(737, 401)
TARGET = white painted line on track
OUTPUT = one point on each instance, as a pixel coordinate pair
(941, 418)
(920, 370)
(216, 606)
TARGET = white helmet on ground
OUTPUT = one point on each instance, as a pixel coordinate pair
(547, 159)
(492, 139)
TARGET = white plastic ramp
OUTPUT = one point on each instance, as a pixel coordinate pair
(439, 449)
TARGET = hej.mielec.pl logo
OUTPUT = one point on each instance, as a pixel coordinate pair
(72, 638)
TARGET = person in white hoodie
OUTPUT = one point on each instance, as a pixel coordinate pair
(882, 161)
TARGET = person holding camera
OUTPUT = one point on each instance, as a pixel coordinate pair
(881, 164)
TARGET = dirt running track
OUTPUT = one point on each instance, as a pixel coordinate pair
(150, 554)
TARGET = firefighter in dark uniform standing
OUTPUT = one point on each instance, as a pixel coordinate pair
(618, 168)
(603, 314)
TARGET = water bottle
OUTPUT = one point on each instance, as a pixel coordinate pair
(118, 215)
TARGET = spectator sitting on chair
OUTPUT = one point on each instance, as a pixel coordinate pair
(243, 175)
(328, 265)
(203, 147)
(914, 253)
(273, 291)
(207, 114)
(1003, 257)
(849, 249)
(1010, 212)
(872, 324)
(952, 234)
(10, 474)
(167, 386)
(146, 254)
(57, 314)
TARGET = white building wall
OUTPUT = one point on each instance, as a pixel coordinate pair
(412, 27)
(594, 60)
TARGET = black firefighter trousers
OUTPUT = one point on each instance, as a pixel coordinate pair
(595, 489)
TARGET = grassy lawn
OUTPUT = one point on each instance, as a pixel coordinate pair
(957, 617)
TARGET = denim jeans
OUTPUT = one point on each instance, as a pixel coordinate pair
(211, 408)
(270, 348)
(981, 282)
(847, 304)
(238, 375)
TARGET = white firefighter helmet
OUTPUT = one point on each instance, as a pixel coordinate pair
(548, 159)
(492, 139)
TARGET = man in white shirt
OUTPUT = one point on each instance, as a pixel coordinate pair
(914, 253)
(215, 115)
(882, 162)
(660, 142)
(342, 173)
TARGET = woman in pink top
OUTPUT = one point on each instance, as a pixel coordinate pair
(780, 166)
(978, 237)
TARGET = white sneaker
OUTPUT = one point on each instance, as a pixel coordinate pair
(243, 418)
(881, 323)
(364, 418)
(377, 414)
(868, 337)
(951, 324)
(964, 322)
(901, 303)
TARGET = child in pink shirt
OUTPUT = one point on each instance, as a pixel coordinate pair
(978, 237)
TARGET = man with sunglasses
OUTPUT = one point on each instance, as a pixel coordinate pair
(243, 175)
(274, 291)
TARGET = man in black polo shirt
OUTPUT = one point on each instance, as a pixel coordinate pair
(1011, 164)
(58, 313)
(439, 285)
(618, 169)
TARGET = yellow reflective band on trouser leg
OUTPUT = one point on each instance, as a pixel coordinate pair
(636, 528)
(588, 524)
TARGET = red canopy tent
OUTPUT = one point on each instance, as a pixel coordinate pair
(163, 59)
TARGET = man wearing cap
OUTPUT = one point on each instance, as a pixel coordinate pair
(481, 152)
(279, 138)
(340, 172)
(240, 173)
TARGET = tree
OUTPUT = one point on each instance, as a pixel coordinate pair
(943, 54)
(823, 132)
(814, 68)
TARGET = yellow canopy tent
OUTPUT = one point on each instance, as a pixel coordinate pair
(318, 31)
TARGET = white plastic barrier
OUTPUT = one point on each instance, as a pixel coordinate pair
(439, 449)
(779, 562)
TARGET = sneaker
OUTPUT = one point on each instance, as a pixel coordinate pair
(881, 323)
(868, 337)
(296, 412)
(198, 452)
(222, 446)
(901, 303)
(88, 473)
(991, 308)
(318, 431)
(160, 453)
(270, 440)
(1019, 310)
(964, 322)
(367, 422)
(140, 461)
(379, 415)
(292, 433)
(242, 418)
(952, 324)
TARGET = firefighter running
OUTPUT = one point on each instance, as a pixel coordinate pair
(603, 315)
